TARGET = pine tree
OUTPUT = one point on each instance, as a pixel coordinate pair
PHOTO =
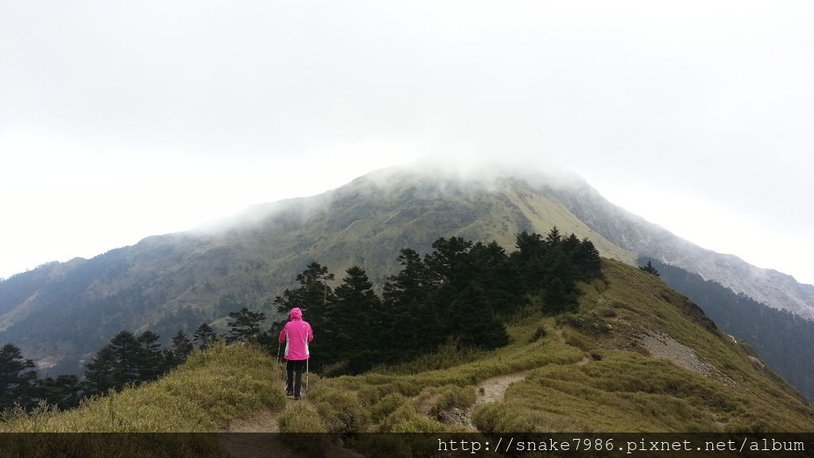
(151, 361)
(128, 353)
(354, 322)
(245, 324)
(17, 377)
(312, 296)
(530, 261)
(117, 364)
(412, 322)
(587, 259)
(558, 297)
(181, 348)
(205, 336)
(412, 283)
(448, 259)
(650, 269)
(101, 374)
(553, 239)
(473, 321)
(65, 391)
(490, 268)
(570, 244)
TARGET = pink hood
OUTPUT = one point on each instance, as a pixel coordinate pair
(295, 314)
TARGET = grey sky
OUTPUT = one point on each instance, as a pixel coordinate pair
(119, 120)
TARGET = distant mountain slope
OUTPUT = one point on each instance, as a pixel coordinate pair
(60, 314)
(783, 340)
(633, 233)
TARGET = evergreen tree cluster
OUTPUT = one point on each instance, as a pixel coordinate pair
(128, 360)
(20, 386)
(650, 269)
(461, 292)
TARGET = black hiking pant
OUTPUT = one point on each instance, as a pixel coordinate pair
(293, 381)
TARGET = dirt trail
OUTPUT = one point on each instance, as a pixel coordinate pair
(494, 389)
(488, 391)
(264, 421)
(256, 445)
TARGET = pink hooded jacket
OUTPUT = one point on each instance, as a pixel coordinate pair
(296, 335)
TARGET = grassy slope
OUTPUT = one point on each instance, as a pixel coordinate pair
(626, 390)
(202, 395)
(580, 378)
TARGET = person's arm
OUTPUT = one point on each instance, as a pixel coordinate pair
(281, 339)
(310, 333)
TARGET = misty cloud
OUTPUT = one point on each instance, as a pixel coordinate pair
(139, 113)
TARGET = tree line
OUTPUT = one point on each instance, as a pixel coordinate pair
(461, 292)
(128, 360)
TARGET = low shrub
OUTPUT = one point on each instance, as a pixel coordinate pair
(341, 411)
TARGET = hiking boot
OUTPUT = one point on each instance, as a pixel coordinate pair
(297, 398)
(289, 393)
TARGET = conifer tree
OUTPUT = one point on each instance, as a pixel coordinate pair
(412, 283)
(412, 324)
(125, 360)
(650, 269)
(353, 331)
(204, 336)
(65, 391)
(490, 268)
(17, 377)
(181, 348)
(245, 324)
(312, 296)
(128, 353)
(531, 261)
(553, 239)
(102, 372)
(448, 259)
(587, 259)
(558, 297)
(472, 320)
(151, 361)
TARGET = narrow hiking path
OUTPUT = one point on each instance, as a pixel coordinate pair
(490, 390)
(494, 389)
(265, 445)
(264, 421)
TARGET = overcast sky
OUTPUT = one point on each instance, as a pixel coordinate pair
(123, 119)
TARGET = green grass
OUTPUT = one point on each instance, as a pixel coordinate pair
(203, 395)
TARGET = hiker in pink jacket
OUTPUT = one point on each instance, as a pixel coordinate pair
(296, 335)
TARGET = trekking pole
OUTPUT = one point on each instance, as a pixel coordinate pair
(306, 375)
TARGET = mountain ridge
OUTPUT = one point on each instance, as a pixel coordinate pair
(632, 232)
(635, 356)
(179, 280)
